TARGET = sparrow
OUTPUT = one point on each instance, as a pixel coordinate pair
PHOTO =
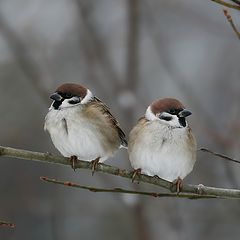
(162, 144)
(81, 126)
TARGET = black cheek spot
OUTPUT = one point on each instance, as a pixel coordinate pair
(75, 101)
(166, 118)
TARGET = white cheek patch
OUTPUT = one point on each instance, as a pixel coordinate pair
(51, 106)
(88, 97)
(175, 121)
(149, 115)
(74, 100)
(65, 104)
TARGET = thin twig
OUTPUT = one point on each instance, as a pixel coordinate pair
(7, 224)
(219, 155)
(187, 188)
(121, 190)
(229, 5)
(230, 20)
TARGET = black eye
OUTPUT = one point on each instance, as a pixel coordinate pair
(68, 95)
(172, 111)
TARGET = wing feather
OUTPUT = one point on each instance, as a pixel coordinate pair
(106, 111)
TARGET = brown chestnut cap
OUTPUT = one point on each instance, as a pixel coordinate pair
(165, 104)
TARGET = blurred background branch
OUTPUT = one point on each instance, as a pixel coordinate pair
(226, 4)
(236, 1)
(6, 224)
(23, 58)
(219, 155)
(232, 24)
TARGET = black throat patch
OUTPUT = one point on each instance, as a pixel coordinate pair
(56, 104)
(182, 121)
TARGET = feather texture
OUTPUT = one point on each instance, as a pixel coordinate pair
(92, 131)
(162, 150)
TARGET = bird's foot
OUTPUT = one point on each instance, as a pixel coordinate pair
(73, 161)
(200, 189)
(179, 184)
(136, 172)
(94, 164)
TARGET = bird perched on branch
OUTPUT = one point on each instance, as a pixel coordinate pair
(162, 143)
(81, 126)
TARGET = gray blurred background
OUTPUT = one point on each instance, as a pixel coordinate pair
(128, 53)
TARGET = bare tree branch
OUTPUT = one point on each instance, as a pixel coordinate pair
(232, 24)
(121, 190)
(187, 188)
(219, 155)
(6, 224)
(229, 5)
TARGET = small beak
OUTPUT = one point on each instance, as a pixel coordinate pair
(56, 97)
(184, 113)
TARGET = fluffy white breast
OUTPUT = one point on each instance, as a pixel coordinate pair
(161, 150)
(72, 134)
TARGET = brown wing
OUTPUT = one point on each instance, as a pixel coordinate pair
(106, 111)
